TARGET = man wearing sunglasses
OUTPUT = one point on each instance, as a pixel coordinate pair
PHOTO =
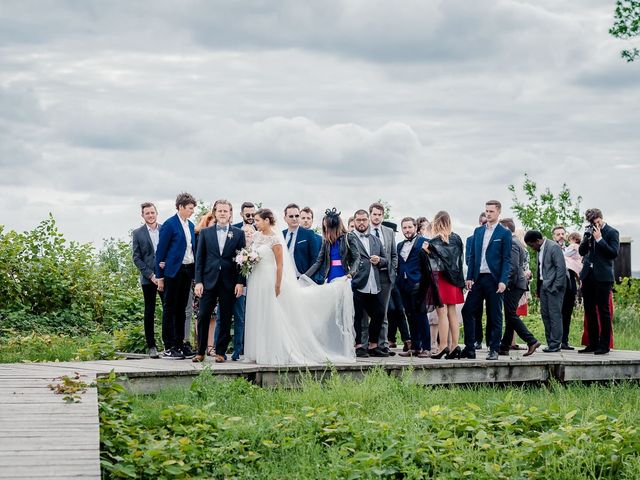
(302, 244)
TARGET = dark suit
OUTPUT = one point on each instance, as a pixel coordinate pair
(144, 258)
(369, 307)
(219, 274)
(477, 314)
(177, 279)
(516, 287)
(485, 286)
(307, 246)
(408, 282)
(597, 281)
(551, 291)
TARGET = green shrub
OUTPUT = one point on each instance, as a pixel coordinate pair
(131, 339)
(627, 293)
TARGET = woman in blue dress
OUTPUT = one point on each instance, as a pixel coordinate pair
(338, 255)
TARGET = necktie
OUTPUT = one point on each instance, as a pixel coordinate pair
(290, 238)
(377, 232)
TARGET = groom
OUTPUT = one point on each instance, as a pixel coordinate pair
(217, 277)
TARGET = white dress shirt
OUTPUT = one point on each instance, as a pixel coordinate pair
(222, 235)
(154, 233)
(188, 253)
(292, 236)
(406, 248)
(486, 239)
(379, 236)
(540, 259)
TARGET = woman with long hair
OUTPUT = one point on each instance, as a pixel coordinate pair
(339, 255)
(445, 253)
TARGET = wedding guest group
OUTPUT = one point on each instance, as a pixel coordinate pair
(346, 294)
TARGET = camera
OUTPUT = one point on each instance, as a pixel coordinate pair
(588, 231)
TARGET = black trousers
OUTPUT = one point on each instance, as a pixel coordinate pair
(595, 296)
(371, 305)
(150, 293)
(176, 297)
(417, 317)
(225, 297)
(484, 289)
(397, 318)
(513, 323)
(568, 303)
(478, 316)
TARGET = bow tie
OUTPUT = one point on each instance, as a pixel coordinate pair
(219, 228)
(364, 235)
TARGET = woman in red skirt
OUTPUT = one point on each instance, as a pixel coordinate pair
(445, 253)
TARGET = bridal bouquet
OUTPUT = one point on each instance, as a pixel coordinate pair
(247, 259)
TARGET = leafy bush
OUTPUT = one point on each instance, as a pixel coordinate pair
(131, 339)
(380, 428)
(627, 293)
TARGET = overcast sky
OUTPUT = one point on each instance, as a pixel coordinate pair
(429, 105)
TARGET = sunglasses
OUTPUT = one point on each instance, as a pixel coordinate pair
(293, 216)
(249, 215)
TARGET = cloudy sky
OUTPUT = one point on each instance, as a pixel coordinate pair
(427, 104)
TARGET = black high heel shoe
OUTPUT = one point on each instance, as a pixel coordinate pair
(455, 354)
(441, 353)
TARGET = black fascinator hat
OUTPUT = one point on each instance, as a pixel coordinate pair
(332, 216)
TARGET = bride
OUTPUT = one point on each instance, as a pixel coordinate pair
(287, 322)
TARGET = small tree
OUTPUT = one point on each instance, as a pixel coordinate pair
(387, 209)
(627, 25)
(543, 211)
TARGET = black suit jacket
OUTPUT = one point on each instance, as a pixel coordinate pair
(144, 257)
(598, 257)
(516, 272)
(211, 265)
(362, 274)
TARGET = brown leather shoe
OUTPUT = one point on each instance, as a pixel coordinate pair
(532, 348)
(393, 345)
(219, 359)
(407, 346)
(198, 359)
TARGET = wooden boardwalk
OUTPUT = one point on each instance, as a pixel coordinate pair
(42, 436)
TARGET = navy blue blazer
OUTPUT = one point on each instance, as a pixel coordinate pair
(307, 248)
(467, 251)
(409, 273)
(498, 254)
(172, 246)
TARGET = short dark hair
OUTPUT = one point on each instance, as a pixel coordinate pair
(266, 214)
(291, 205)
(495, 203)
(147, 205)
(361, 212)
(509, 223)
(183, 199)
(307, 210)
(376, 205)
(246, 205)
(409, 219)
(532, 236)
(482, 217)
(592, 214)
(558, 227)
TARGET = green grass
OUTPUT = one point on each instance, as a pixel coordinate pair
(380, 427)
(44, 348)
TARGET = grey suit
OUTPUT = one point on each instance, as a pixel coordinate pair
(387, 279)
(551, 291)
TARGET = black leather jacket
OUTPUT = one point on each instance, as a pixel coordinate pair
(448, 257)
(349, 255)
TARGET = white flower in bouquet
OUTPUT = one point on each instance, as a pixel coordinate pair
(246, 259)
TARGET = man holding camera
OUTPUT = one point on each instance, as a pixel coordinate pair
(599, 247)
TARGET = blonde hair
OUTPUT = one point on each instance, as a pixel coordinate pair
(519, 234)
(441, 226)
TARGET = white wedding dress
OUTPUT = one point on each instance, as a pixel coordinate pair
(304, 325)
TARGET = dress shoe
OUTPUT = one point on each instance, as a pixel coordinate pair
(441, 353)
(377, 352)
(361, 352)
(601, 351)
(532, 348)
(153, 353)
(198, 359)
(478, 345)
(407, 346)
(471, 355)
(386, 350)
(566, 346)
(454, 354)
(587, 350)
(409, 353)
(220, 358)
(550, 350)
(493, 355)
(393, 345)
(424, 354)
(503, 351)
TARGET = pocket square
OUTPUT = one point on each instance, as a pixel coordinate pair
(498, 240)
(301, 241)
